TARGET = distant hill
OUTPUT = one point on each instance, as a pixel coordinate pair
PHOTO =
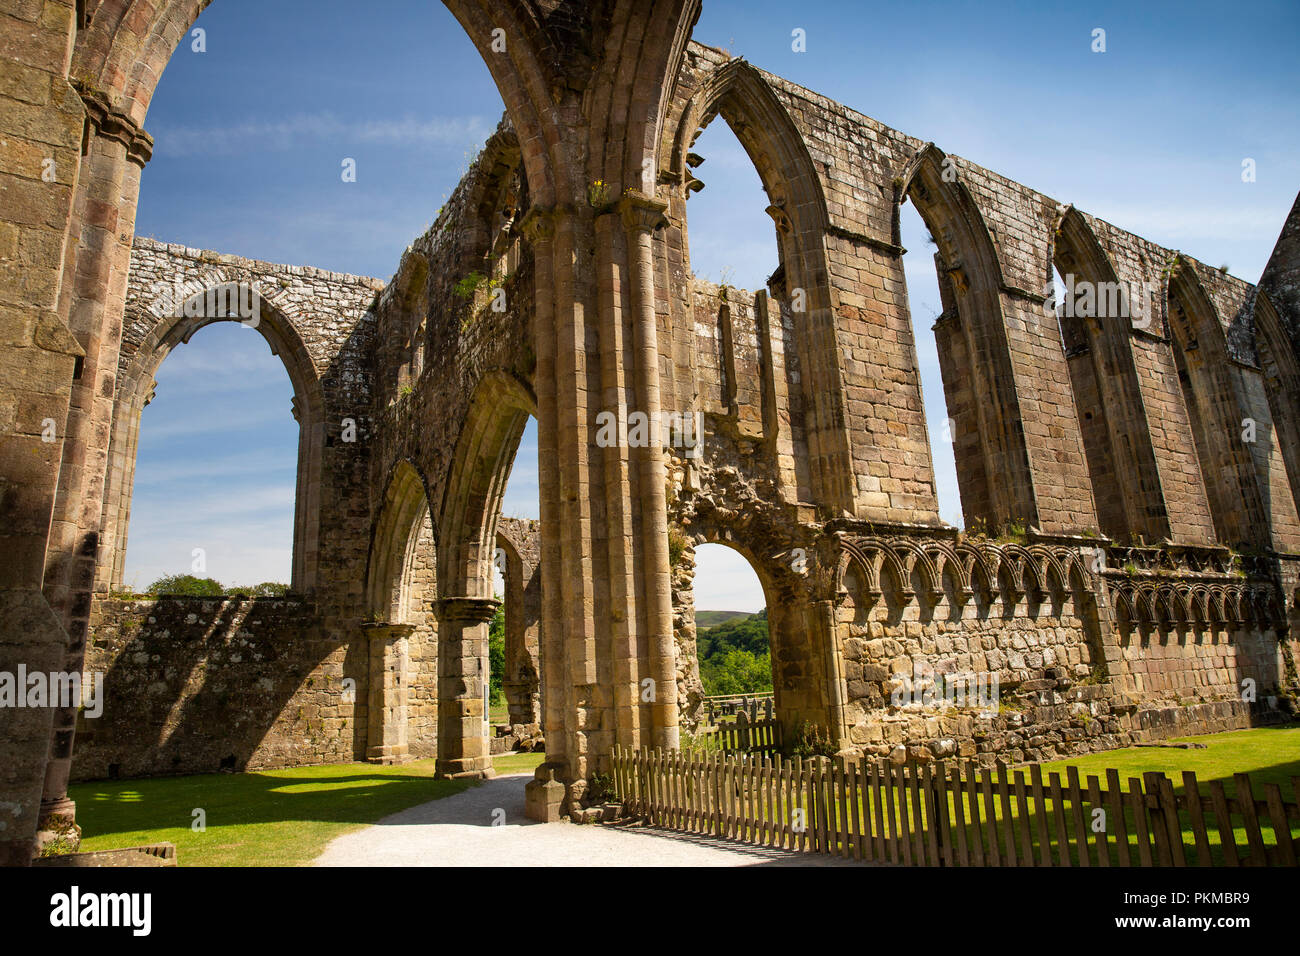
(714, 618)
(735, 656)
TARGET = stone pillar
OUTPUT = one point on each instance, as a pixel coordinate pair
(93, 297)
(389, 676)
(41, 122)
(538, 227)
(642, 214)
(462, 679)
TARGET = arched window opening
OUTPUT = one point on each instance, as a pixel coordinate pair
(216, 468)
(731, 630)
(312, 166)
(1067, 298)
(514, 637)
(731, 239)
(925, 305)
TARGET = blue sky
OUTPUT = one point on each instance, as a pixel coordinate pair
(250, 135)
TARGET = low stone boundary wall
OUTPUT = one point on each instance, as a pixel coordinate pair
(195, 685)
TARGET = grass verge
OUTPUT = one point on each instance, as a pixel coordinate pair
(267, 818)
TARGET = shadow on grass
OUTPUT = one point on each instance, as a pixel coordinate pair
(274, 817)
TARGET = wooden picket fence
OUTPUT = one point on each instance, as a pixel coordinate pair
(946, 814)
(750, 733)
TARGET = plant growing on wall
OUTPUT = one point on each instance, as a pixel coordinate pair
(810, 740)
(598, 194)
(466, 287)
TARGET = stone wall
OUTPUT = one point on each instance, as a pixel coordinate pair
(535, 295)
(519, 541)
(1069, 659)
(197, 685)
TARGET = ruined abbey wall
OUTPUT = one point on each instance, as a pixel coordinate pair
(809, 398)
(1128, 472)
(197, 685)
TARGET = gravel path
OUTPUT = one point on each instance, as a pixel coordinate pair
(459, 831)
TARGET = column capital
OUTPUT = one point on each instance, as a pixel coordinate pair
(642, 213)
(112, 123)
(538, 224)
(475, 610)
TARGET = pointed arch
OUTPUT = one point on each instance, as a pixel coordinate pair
(1278, 362)
(485, 451)
(403, 515)
(745, 100)
(126, 46)
(1205, 371)
(994, 471)
(741, 94)
(1097, 332)
(172, 327)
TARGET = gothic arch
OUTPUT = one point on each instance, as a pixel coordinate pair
(742, 96)
(485, 452)
(404, 519)
(1204, 370)
(1281, 371)
(125, 48)
(1104, 378)
(135, 391)
(498, 410)
(993, 467)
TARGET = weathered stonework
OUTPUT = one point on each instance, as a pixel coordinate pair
(557, 283)
(197, 685)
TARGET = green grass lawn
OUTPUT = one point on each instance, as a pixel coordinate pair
(268, 818)
(517, 763)
(1268, 754)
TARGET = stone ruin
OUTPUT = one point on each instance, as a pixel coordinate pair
(1128, 458)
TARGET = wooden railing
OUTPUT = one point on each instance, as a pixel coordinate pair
(744, 735)
(942, 814)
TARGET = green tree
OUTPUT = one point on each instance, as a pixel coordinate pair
(186, 584)
(269, 589)
(735, 657)
(736, 672)
(497, 655)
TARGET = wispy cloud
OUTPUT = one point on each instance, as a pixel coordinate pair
(289, 132)
(245, 421)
